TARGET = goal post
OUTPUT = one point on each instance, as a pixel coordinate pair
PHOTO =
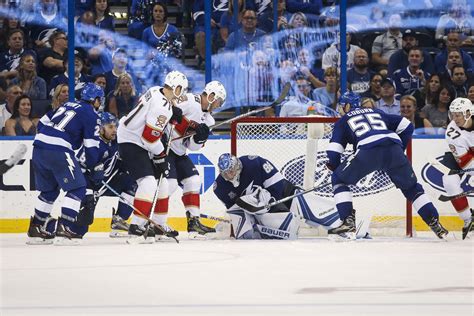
(297, 146)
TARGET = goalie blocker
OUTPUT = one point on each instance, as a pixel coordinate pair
(248, 184)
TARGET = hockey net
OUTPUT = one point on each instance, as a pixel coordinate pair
(297, 147)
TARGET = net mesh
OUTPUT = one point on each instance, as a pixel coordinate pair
(285, 145)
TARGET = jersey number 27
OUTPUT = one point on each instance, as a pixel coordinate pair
(361, 124)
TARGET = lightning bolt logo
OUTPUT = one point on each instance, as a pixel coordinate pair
(70, 164)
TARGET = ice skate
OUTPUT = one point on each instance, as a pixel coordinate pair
(140, 235)
(41, 234)
(345, 232)
(197, 230)
(438, 229)
(468, 226)
(164, 233)
(66, 237)
(119, 226)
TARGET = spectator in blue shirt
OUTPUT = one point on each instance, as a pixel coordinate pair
(399, 59)
(103, 18)
(246, 36)
(453, 42)
(327, 95)
(228, 24)
(160, 31)
(10, 59)
(412, 78)
(359, 76)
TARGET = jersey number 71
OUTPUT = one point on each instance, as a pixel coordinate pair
(361, 124)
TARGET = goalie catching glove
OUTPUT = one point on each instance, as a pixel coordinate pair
(202, 133)
(256, 201)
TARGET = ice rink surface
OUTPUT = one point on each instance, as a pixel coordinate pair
(104, 276)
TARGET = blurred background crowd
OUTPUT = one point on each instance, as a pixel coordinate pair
(408, 57)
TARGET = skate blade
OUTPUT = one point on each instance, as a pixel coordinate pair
(135, 240)
(118, 234)
(163, 238)
(39, 241)
(197, 236)
(339, 238)
(62, 241)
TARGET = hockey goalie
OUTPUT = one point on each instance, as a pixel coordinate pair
(247, 184)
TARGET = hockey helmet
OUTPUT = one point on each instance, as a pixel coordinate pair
(461, 105)
(349, 98)
(107, 118)
(216, 88)
(176, 79)
(91, 91)
(230, 168)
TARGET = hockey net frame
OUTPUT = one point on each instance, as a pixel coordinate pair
(253, 132)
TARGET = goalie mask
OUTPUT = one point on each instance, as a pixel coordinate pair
(460, 111)
(230, 168)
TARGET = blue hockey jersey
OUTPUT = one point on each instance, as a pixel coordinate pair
(256, 172)
(367, 128)
(107, 153)
(68, 128)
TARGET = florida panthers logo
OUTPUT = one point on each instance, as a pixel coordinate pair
(373, 183)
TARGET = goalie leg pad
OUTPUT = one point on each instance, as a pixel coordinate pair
(243, 225)
(316, 211)
(278, 225)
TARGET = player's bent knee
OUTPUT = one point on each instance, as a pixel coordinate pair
(191, 184)
(146, 186)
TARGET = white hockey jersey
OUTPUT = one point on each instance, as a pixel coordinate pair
(146, 123)
(461, 144)
(193, 115)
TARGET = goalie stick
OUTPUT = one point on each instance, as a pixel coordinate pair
(252, 208)
(149, 220)
(278, 101)
(445, 170)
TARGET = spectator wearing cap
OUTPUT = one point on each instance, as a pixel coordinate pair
(327, 95)
(408, 109)
(10, 59)
(51, 61)
(453, 42)
(412, 78)
(359, 76)
(6, 109)
(399, 59)
(332, 56)
(120, 62)
(459, 81)
(375, 90)
(31, 84)
(388, 103)
(79, 78)
(387, 43)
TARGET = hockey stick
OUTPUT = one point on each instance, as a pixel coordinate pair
(280, 99)
(15, 158)
(252, 208)
(447, 171)
(217, 219)
(158, 226)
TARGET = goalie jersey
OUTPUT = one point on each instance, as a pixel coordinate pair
(193, 115)
(256, 172)
(461, 144)
(146, 123)
(367, 128)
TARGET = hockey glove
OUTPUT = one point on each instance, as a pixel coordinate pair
(202, 133)
(162, 166)
(97, 174)
(256, 201)
(177, 116)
